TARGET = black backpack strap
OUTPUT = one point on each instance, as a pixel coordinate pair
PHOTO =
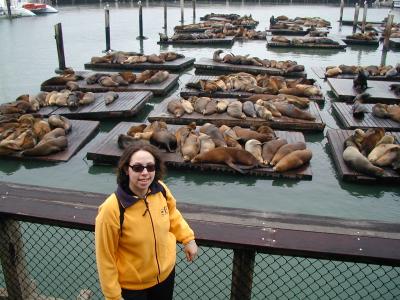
(121, 216)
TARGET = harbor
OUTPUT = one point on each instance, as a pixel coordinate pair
(29, 61)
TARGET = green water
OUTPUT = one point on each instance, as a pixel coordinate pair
(28, 57)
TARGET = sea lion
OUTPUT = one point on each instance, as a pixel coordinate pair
(358, 162)
(293, 160)
(135, 129)
(23, 140)
(110, 97)
(358, 108)
(222, 105)
(147, 74)
(206, 143)
(245, 134)
(380, 150)
(182, 133)
(255, 148)
(371, 138)
(210, 108)
(216, 56)
(155, 59)
(270, 107)
(285, 150)
(94, 78)
(270, 148)
(124, 141)
(332, 72)
(128, 76)
(176, 108)
(187, 106)
(360, 81)
(158, 77)
(61, 79)
(119, 79)
(57, 121)
(72, 85)
(87, 98)
(106, 81)
(388, 157)
(380, 110)
(164, 139)
(394, 112)
(228, 156)
(249, 110)
(214, 133)
(40, 128)
(292, 111)
(52, 142)
(262, 112)
(190, 147)
(200, 104)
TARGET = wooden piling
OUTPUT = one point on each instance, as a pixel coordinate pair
(194, 11)
(18, 283)
(165, 17)
(388, 31)
(107, 27)
(364, 16)
(341, 11)
(60, 46)
(141, 36)
(242, 274)
(182, 9)
(355, 21)
(383, 58)
(9, 8)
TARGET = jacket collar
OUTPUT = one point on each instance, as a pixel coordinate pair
(127, 198)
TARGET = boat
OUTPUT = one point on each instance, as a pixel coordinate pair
(39, 8)
(15, 11)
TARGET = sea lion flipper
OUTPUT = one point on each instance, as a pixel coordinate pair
(235, 167)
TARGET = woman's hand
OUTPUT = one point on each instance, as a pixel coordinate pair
(191, 250)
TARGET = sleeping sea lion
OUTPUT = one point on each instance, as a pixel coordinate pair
(187, 106)
(210, 108)
(394, 112)
(380, 110)
(190, 147)
(136, 129)
(228, 156)
(285, 150)
(52, 142)
(128, 76)
(245, 134)
(147, 74)
(292, 111)
(371, 138)
(158, 77)
(380, 150)
(176, 108)
(214, 133)
(164, 139)
(107, 82)
(254, 147)
(216, 56)
(57, 121)
(263, 112)
(155, 59)
(200, 104)
(270, 148)
(110, 97)
(124, 141)
(249, 110)
(293, 160)
(87, 98)
(222, 105)
(206, 143)
(388, 157)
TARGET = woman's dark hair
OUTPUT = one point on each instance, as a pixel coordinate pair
(123, 178)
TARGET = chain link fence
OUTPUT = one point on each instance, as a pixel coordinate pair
(49, 262)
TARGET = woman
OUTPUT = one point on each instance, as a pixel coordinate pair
(137, 228)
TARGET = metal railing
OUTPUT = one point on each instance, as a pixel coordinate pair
(49, 258)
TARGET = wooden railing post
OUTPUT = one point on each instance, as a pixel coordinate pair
(388, 31)
(182, 3)
(355, 21)
(107, 27)
(60, 47)
(18, 283)
(242, 274)
(165, 17)
(364, 20)
(194, 11)
(8, 3)
(341, 11)
(141, 36)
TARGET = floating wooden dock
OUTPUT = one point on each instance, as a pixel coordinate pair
(351, 22)
(336, 138)
(159, 89)
(288, 32)
(107, 151)
(341, 45)
(160, 113)
(344, 113)
(81, 133)
(187, 92)
(128, 104)
(209, 66)
(379, 90)
(373, 43)
(176, 65)
(320, 72)
(394, 43)
(227, 41)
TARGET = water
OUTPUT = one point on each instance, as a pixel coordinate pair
(28, 56)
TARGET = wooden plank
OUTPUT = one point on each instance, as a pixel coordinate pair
(176, 65)
(187, 92)
(351, 22)
(227, 41)
(157, 89)
(344, 113)
(160, 113)
(348, 41)
(379, 90)
(81, 133)
(287, 32)
(341, 45)
(207, 64)
(107, 151)
(237, 228)
(319, 71)
(128, 104)
(336, 138)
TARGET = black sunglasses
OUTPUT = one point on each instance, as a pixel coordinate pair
(138, 168)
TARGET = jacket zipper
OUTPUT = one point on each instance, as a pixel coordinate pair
(154, 234)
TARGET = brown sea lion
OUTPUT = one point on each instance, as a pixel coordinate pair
(57, 121)
(255, 148)
(52, 142)
(211, 107)
(394, 112)
(270, 148)
(176, 108)
(200, 104)
(206, 143)
(182, 133)
(145, 75)
(228, 156)
(119, 79)
(187, 106)
(380, 110)
(164, 139)
(87, 98)
(222, 105)
(128, 76)
(263, 112)
(155, 59)
(388, 157)
(190, 147)
(214, 133)
(124, 141)
(380, 150)
(107, 82)
(371, 138)
(285, 150)
(62, 79)
(293, 160)
(235, 110)
(358, 162)
(292, 111)
(136, 129)
(40, 128)
(158, 77)
(110, 97)
(22, 141)
(245, 134)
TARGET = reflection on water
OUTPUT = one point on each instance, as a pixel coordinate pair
(28, 61)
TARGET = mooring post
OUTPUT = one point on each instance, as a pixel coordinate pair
(9, 9)
(364, 16)
(355, 21)
(194, 11)
(16, 276)
(388, 31)
(141, 36)
(182, 8)
(107, 27)
(165, 17)
(383, 58)
(341, 11)
(60, 48)
(242, 274)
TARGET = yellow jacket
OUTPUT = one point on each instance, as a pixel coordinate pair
(145, 253)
